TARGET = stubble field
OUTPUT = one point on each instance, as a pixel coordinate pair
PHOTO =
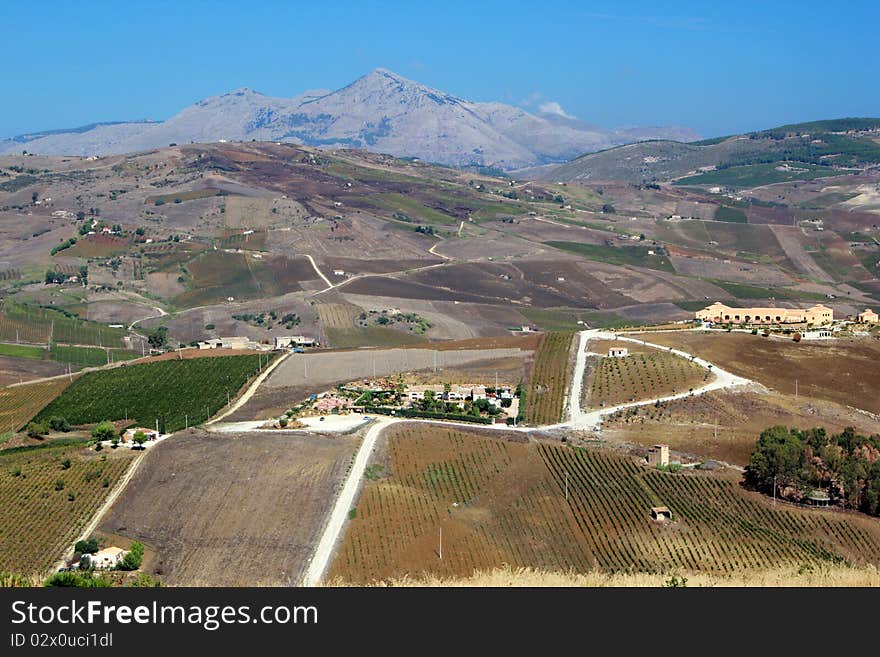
(232, 509)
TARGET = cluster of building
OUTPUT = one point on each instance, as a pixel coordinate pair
(818, 315)
(464, 392)
(242, 342)
(105, 559)
(719, 313)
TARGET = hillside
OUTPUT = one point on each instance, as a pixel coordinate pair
(381, 112)
(824, 147)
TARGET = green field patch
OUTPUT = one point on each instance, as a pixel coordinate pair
(726, 213)
(743, 291)
(22, 351)
(37, 324)
(89, 356)
(173, 392)
(756, 175)
(636, 256)
(409, 207)
(180, 197)
(215, 276)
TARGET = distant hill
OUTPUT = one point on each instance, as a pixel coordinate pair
(380, 111)
(813, 149)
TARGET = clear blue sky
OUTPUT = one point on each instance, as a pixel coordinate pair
(716, 67)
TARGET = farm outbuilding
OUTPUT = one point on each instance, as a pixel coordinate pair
(618, 352)
(661, 513)
(868, 317)
(658, 454)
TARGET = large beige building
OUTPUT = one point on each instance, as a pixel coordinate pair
(869, 317)
(718, 312)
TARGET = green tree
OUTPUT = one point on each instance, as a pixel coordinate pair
(87, 546)
(133, 558)
(139, 438)
(105, 431)
(158, 338)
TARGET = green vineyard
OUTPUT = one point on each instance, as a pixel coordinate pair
(36, 325)
(545, 395)
(175, 393)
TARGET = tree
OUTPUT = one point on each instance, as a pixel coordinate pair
(59, 424)
(139, 231)
(139, 438)
(37, 429)
(34, 198)
(87, 546)
(105, 431)
(607, 208)
(133, 558)
(158, 338)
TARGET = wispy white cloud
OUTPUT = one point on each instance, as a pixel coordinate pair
(552, 107)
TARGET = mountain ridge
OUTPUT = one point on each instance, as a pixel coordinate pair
(380, 111)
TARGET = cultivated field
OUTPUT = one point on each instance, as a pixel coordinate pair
(644, 374)
(723, 425)
(503, 502)
(549, 380)
(232, 509)
(47, 495)
(842, 371)
(18, 404)
(27, 323)
(172, 393)
(337, 366)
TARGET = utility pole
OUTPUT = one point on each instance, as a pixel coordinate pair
(157, 426)
(795, 388)
(774, 490)
(227, 398)
(566, 485)
(441, 543)
(186, 421)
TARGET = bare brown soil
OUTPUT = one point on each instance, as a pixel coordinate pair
(844, 371)
(232, 509)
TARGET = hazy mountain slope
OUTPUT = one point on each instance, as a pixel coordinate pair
(380, 111)
(840, 143)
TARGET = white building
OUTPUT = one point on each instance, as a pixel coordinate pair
(618, 352)
(109, 557)
(288, 341)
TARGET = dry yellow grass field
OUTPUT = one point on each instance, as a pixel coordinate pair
(837, 576)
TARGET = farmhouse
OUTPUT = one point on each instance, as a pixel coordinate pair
(109, 557)
(237, 342)
(128, 436)
(720, 313)
(868, 317)
(658, 454)
(287, 341)
(618, 352)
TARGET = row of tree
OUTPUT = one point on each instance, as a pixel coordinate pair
(793, 464)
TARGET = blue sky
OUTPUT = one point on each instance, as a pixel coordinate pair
(716, 67)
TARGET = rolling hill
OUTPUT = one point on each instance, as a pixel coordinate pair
(832, 146)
